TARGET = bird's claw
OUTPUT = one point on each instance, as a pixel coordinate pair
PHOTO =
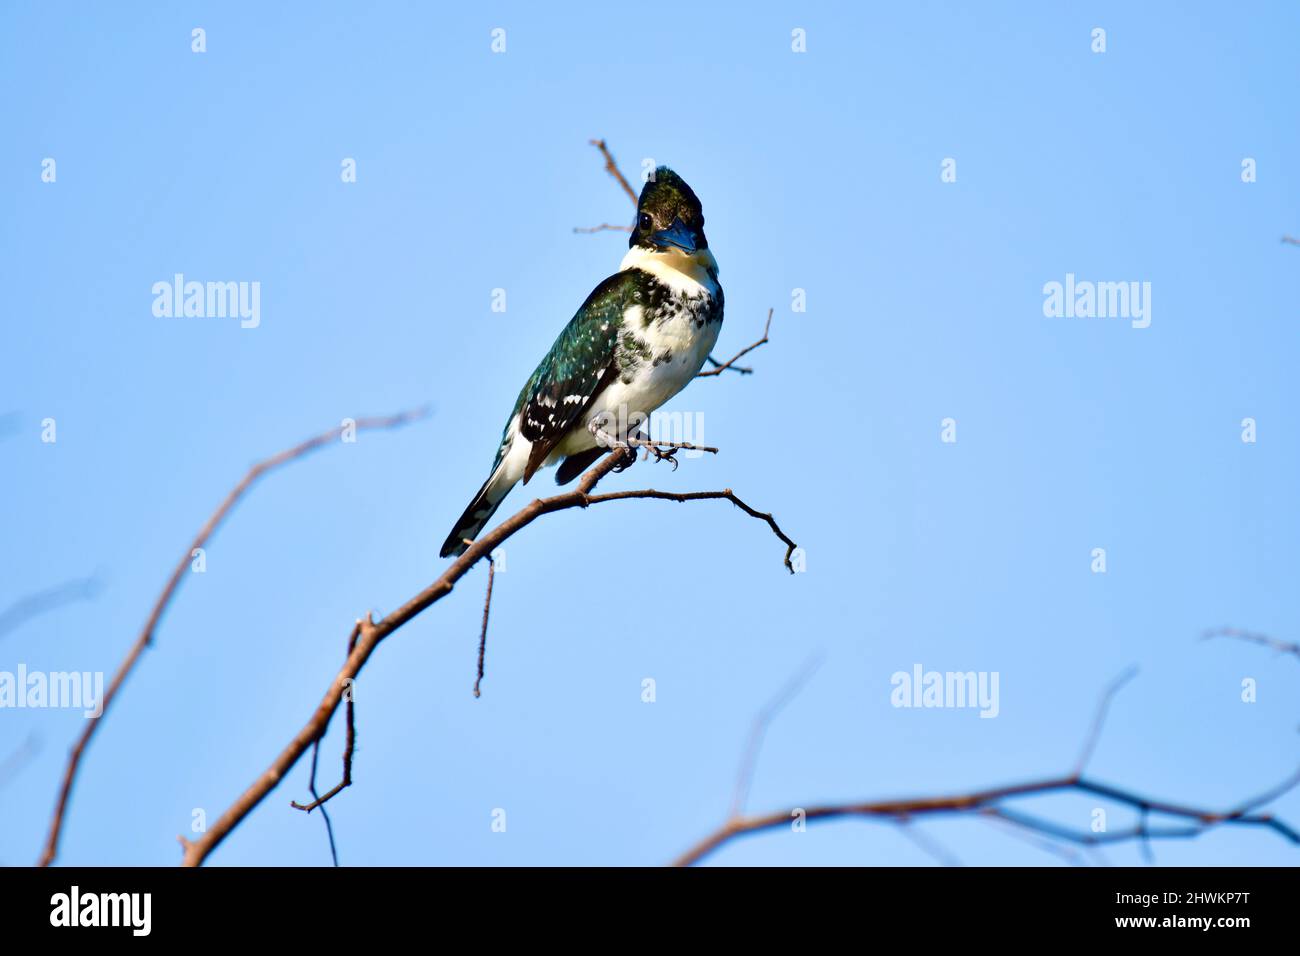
(661, 455)
(625, 461)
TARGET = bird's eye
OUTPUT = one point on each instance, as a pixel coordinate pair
(645, 220)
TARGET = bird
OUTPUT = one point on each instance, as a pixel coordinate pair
(635, 342)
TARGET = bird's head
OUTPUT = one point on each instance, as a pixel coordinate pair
(669, 216)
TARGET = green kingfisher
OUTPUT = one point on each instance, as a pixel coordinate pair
(636, 341)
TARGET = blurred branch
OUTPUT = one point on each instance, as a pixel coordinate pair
(758, 730)
(370, 633)
(1291, 240)
(169, 591)
(12, 765)
(603, 227)
(1099, 719)
(482, 638)
(611, 167)
(1282, 647)
(990, 804)
(25, 608)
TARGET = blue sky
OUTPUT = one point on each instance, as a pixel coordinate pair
(818, 171)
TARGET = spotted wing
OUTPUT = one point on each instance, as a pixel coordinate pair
(581, 363)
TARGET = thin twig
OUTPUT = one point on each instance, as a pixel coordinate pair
(928, 845)
(482, 637)
(372, 634)
(726, 494)
(318, 802)
(603, 227)
(758, 730)
(350, 740)
(611, 167)
(1099, 718)
(169, 590)
(1032, 837)
(29, 606)
(720, 367)
(1282, 647)
(1291, 240)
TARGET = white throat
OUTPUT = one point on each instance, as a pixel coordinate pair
(680, 271)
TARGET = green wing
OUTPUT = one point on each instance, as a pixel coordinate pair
(581, 363)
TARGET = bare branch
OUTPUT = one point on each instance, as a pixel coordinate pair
(318, 802)
(985, 801)
(371, 634)
(1033, 838)
(603, 227)
(1099, 719)
(928, 845)
(611, 167)
(725, 493)
(169, 590)
(1291, 240)
(29, 606)
(349, 748)
(720, 367)
(1282, 647)
(991, 803)
(482, 638)
(349, 745)
(758, 730)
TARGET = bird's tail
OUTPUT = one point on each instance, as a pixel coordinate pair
(478, 514)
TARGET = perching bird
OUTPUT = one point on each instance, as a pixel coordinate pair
(641, 335)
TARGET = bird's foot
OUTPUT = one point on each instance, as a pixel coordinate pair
(661, 450)
(606, 439)
(650, 448)
(666, 450)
